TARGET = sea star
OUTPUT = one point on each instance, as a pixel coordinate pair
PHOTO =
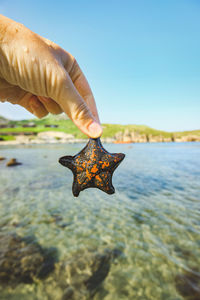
(92, 167)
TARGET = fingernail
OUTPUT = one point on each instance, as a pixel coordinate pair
(95, 130)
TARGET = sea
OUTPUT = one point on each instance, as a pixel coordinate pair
(142, 243)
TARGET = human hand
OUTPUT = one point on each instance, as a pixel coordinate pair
(42, 77)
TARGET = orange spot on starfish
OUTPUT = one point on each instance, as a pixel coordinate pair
(94, 169)
(98, 178)
(105, 164)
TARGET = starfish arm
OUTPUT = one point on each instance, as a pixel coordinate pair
(67, 161)
(76, 188)
(81, 182)
(118, 157)
(111, 161)
(103, 182)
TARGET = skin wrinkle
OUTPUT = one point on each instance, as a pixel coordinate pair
(38, 107)
(4, 66)
(14, 65)
(68, 62)
(58, 79)
(45, 81)
(10, 92)
(50, 105)
(79, 115)
(24, 101)
(37, 70)
(73, 72)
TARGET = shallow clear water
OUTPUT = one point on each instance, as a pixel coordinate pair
(153, 219)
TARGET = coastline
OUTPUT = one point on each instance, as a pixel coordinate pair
(55, 137)
(61, 130)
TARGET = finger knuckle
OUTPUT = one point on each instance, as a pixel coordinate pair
(81, 113)
(75, 71)
(41, 115)
(56, 111)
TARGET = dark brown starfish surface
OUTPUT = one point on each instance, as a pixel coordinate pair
(92, 167)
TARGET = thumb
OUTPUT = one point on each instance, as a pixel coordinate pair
(66, 95)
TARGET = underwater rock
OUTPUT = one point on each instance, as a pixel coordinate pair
(58, 220)
(80, 277)
(13, 162)
(188, 284)
(83, 275)
(68, 294)
(100, 270)
(22, 260)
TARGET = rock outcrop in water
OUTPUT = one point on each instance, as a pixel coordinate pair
(84, 275)
(22, 260)
(188, 282)
(188, 285)
(13, 162)
(81, 276)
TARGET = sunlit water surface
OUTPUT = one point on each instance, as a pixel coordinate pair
(153, 219)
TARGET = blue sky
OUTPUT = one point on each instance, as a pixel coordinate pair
(141, 58)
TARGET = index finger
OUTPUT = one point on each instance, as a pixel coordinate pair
(80, 82)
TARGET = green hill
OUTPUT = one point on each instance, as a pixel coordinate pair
(3, 120)
(67, 126)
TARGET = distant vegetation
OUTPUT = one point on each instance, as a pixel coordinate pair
(3, 120)
(67, 126)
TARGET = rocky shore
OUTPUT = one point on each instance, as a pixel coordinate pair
(134, 137)
(50, 137)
